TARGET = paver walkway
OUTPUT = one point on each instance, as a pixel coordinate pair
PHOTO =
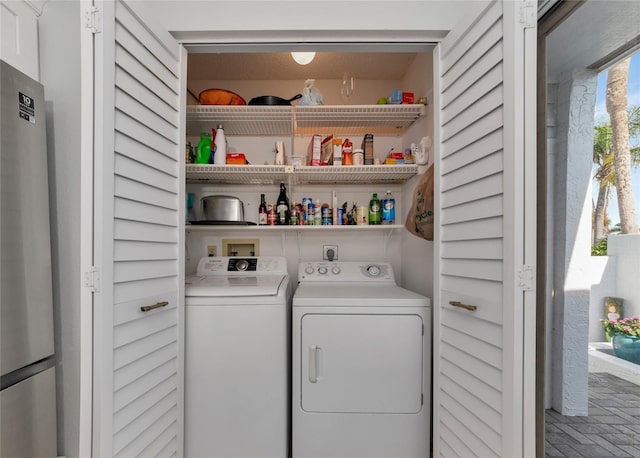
(612, 427)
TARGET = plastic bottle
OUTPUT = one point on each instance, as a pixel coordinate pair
(347, 152)
(220, 155)
(388, 209)
(204, 148)
(262, 211)
(282, 205)
(375, 210)
(317, 213)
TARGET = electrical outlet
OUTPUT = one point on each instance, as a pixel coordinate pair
(330, 252)
(212, 250)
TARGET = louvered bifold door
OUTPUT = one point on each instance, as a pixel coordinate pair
(137, 351)
(480, 217)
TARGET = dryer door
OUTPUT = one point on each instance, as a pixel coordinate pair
(360, 363)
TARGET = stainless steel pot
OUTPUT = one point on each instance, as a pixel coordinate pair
(222, 208)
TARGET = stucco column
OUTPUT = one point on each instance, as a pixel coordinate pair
(574, 124)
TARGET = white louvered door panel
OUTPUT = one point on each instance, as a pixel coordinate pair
(482, 239)
(138, 362)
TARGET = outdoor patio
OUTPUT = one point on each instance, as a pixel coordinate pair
(612, 427)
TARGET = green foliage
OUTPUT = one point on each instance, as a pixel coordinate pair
(627, 326)
(600, 248)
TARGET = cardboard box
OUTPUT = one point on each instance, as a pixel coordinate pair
(407, 97)
(315, 150)
(236, 158)
(367, 147)
(337, 151)
(327, 151)
(396, 96)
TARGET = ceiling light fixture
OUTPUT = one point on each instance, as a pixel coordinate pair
(303, 58)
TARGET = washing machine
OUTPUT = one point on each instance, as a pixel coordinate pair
(237, 358)
(361, 363)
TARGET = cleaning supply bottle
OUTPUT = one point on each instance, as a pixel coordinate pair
(220, 155)
(204, 148)
(388, 209)
(375, 210)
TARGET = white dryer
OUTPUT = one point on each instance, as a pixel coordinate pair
(237, 358)
(361, 364)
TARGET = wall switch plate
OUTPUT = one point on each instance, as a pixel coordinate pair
(330, 252)
(212, 250)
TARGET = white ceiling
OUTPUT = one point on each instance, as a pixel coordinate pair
(595, 35)
(281, 66)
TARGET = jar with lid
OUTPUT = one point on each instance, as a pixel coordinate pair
(358, 156)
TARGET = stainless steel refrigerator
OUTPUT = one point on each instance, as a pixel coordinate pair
(28, 396)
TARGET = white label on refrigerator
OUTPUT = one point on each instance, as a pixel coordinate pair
(26, 108)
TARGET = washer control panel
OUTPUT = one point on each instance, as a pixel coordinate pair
(231, 265)
(345, 271)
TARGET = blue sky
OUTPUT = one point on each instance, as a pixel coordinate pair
(601, 116)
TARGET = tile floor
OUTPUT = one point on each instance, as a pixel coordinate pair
(612, 427)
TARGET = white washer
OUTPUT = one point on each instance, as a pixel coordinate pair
(361, 364)
(237, 358)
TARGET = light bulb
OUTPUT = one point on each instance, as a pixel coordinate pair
(303, 58)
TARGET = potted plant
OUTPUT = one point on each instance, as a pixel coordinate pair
(626, 337)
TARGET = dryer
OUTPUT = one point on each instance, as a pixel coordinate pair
(237, 358)
(361, 363)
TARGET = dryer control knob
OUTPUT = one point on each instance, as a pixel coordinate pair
(242, 265)
(374, 271)
(323, 270)
(335, 270)
(308, 270)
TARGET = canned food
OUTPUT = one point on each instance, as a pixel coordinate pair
(326, 216)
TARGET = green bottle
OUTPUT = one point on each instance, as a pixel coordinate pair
(204, 148)
(375, 210)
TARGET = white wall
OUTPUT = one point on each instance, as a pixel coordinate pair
(60, 63)
(417, 253)
(603, 275)
(572, 244)
(307, 15)
(626, 250)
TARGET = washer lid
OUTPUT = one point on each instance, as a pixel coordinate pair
(356, 295)
(232, 286)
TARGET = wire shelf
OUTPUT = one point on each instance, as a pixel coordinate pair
(355, 174)
(236, 174)
(305, 120)
(242, 120)
(356, 119)
(273, 174)
(251, 228)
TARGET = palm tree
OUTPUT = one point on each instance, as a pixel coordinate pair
(605, 177)
(617, 78)
(605, 174)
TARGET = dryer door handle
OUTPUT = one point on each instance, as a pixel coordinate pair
(314, 360)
